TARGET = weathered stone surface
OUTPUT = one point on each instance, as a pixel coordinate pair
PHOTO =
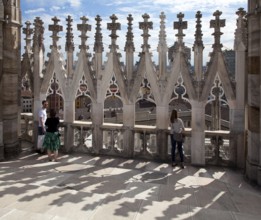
(10, 71)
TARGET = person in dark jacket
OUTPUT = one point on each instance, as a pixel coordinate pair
(52, 137)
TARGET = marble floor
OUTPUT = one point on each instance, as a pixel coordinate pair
(91, 187)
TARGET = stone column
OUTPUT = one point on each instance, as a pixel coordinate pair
(129, 108)
(237, 112)
(162, 110)
(128, 123)
(253, 169)
(237, 137)
(1, 117)
(162, 132)
(69, 117)
(97, 121)
(197, 133)
(1, 74)
(10, 78)
(38, 57)
(97, 107)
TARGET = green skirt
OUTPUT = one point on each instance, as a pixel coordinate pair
(51, 141)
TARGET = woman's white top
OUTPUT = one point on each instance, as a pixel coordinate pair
(177, 126)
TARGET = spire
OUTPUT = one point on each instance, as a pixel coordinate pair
(145, 26)
(129, 49)
(217, 24)
(198, 35)
(162, 47)
(241, 31)
(28, 32)
(162, 35)
(55, 28)
(98, 46)
(129, 46)
(198, 49)
(113, 27)
(38, 33)
(69, 46)
(84, 27)
(180, 25)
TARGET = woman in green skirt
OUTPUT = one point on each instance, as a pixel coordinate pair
(52, 138)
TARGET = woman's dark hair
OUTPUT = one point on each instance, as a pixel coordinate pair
(174, 115)
(52, 113)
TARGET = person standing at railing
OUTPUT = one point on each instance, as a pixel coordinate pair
(42, 116)
(176, 135)
(52, 136)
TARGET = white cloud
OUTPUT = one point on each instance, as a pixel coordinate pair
(75, 3)
(34, 11)
(55, 8)
(51, 3)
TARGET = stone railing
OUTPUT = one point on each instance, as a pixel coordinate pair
(217, 147)
(217, 143)
(26, 127)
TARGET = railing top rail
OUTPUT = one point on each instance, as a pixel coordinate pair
(222, 133)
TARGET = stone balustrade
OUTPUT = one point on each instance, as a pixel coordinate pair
(144, 141)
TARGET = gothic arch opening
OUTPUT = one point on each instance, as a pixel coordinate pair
(113, 110)
(83, 108)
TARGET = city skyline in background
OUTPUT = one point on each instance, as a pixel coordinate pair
(47, 9)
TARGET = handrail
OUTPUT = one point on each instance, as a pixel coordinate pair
(144, 139)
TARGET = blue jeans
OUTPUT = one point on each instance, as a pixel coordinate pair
(173, 149)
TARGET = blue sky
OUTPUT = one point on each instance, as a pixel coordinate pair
(46, 9)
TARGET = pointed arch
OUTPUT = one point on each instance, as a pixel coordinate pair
(218, 67)
(56, 67)
(83, 70)
(179, 68)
